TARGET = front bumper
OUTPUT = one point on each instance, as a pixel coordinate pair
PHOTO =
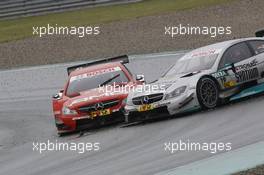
(156, 113)
(88, 123)
(72, 123)
(173, 106)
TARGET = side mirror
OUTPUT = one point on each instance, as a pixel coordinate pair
(140, 78)
(58, 96)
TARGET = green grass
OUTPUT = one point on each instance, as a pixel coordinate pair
(22, 28)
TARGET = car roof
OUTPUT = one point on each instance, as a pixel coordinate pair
(95, 68)
(220, 46)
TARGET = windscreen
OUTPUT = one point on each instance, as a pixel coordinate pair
(95, 79)
(193, 64)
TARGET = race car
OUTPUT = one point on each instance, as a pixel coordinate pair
(89, 98)
(203, 79)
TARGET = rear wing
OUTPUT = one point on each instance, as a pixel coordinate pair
(122, 59)
(260, 33)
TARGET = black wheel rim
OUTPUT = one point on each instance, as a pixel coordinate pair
(208, 93)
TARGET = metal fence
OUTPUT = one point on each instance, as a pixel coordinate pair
(22, 8)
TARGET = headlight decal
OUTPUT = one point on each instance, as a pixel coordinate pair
(67, 111)
(175, 93)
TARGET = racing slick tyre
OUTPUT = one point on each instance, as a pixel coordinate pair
(207, 93)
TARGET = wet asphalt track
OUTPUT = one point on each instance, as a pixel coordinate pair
(26, 116)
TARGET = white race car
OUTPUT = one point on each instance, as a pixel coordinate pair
(203, 78)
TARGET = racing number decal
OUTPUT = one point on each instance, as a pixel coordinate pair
(221, 77)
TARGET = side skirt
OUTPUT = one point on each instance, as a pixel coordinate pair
(249, 91)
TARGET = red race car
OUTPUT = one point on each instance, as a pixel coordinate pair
(92, 95)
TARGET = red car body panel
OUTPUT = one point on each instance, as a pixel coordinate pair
(69, 123)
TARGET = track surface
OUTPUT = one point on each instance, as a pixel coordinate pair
(25, 116)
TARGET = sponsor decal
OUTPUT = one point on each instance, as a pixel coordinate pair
(98, 72)
(244, 72)
(88, 98)
(206, 53)
(229, 84)
(219, 74)
(85, 99)
(102, 112)
(246, 75)
(247, 65)
(201, 53)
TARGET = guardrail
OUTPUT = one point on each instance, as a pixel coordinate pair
(23, 8)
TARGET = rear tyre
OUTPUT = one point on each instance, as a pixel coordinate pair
(207, 93)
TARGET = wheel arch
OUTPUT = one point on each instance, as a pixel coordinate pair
(213, 78)
(217, 86)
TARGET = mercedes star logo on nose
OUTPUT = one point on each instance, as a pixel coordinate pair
(99, 106)
(145, 99)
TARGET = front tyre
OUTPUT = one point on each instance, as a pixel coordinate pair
(207, 93)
